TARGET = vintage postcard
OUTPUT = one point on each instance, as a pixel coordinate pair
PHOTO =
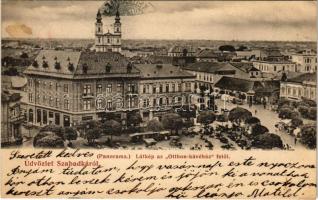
(158, 99)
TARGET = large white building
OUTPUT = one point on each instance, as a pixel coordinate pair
(303, 86)
(275, 66)
(107, 42)
(306, 61)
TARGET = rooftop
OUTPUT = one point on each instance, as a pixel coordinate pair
(162, 71)
(308, 77)
(209, 67)
(71, 64)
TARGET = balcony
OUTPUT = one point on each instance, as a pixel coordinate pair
(87, 95)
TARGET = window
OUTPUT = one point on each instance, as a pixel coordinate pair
(66, 88)
(119, 87)
(179, 87)
(154, 89)
(108, 40)
(30, 115)
(87, 89)
(146, 103)
(51, 101)
(30, 82)
(66, 104)
(50, 114)
(119, 103)
(57, 102)
(99, 89)
(109, 88)
(274, 68)
(30, 97)
(44, 117)
(167, 88)
(154, 103)
(57, 118)
(131, 88)
(160, 88)
(144, 89)
(87, 104)
(188, 86)
(38, 116)
(109, 104)
(99, 103)
(173, 88)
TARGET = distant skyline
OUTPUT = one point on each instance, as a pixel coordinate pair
(214, 20)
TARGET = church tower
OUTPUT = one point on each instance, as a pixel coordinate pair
(107, 42)
(99, 32)
(117, 33)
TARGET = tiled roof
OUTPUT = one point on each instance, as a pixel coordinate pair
(231, 83)
(97, 61)
(51, 57)
(209, 67)
(162, 71)
(207, 53)
(71, 64)
(309, 77)
(244, 66)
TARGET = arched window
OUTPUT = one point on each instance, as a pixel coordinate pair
(30, 115)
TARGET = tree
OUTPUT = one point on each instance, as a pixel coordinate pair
(172, 121)
(229, 48)
(287, 113)
(206, 117)
(70, 134)
(241, 48)
(259, 130)
(296, 122)
(252, 120)
(303, 110)
(154, 125)
(267, 141)
(239, 114)
(312, 114)
(134, 119)
(51, 141)
(308, 136)
(57, 130)
(111, 127)
(93, 134)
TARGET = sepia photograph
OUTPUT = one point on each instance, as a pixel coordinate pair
(159, 75)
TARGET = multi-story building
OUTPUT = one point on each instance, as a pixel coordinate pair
(302, 86)
(163, 87)
(107, 42)
(11, 118)
(306, 61)
(273, 67)
(208, 73)
(65, 88)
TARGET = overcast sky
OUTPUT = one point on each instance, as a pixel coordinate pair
(259, 20)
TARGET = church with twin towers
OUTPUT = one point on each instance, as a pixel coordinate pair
(107, 41)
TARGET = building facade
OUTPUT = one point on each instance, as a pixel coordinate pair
(306, 61)
(12, 118)
(275, 66)
(303, 86)
(65, 88)
(162, 88)
(107, 42)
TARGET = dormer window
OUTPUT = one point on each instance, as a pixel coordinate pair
(43, 58)
(57, 65)
(108, 67)
(85, 68)
(45, 64)
(71, 67)
(35, 64)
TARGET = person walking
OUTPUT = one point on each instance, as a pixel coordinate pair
(255, 112)
(295, 140)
